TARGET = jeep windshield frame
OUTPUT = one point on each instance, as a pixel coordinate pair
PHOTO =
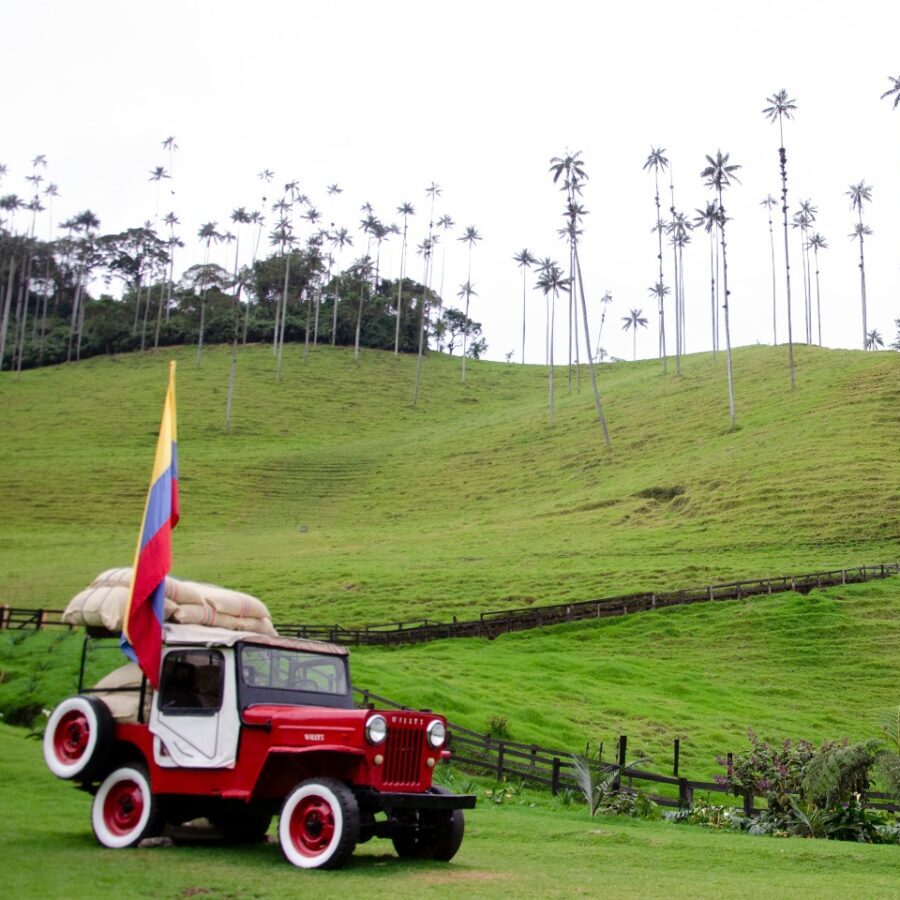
(283, 676)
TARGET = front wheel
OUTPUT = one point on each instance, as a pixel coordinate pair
(430, 834)
(125, 810)
(319, 824)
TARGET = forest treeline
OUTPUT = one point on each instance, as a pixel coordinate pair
(51, 309)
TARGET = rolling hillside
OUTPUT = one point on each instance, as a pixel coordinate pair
(336, 501)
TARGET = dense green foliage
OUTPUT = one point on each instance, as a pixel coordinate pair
(154, 312)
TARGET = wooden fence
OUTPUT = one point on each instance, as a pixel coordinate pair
(555, 769)
(492, 624)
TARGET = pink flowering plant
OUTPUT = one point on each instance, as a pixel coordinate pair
(773, 771)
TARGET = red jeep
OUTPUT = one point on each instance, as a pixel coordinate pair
(244, 726)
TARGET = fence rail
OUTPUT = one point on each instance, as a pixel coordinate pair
(555, 769)
(492, 624)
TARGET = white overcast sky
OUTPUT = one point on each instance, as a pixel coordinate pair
(384, 98)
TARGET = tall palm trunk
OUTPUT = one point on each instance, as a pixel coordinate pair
(862, 280)
(774, 297)
(550, 345)
(725, 306)
(7, 304)
(805, 285)
(335, 300)
(359, 311)
(279, 322)
(76, 304)
(232, 372)
(524, 270)
(782, 159)
(466, 319)
(818, 294)
(422, 302)
(659, 257)
(399, 289)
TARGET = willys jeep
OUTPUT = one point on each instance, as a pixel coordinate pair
(244, 726)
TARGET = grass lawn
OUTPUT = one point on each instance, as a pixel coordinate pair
(527, 847)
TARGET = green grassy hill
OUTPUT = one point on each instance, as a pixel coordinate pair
(336, 501)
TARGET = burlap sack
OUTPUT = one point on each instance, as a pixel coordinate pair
(102, 607)
(123, 704)
(233, 603)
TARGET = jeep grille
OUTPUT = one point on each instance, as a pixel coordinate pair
(403, 755)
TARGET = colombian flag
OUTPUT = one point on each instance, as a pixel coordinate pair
(142, 631)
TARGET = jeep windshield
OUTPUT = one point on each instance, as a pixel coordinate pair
(276, 675)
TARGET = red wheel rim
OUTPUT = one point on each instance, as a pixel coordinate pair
(123, 807)
(71, 737)
(312, 825)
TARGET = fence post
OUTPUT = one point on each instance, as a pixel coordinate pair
(4, 616)
(39, 622)
(685, 794)
(676, 753)
(500, 754)
(554, 776)
(621, 750)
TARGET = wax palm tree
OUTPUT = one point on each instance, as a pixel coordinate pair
(257, 219)
(679, 230)
(572, 166)
(470, 237)
(525, 260)
(208, 235)
(363, 269)
(859, 194)
(768, 203)
(708, 220)
(339, 239)
(50, 192)
(874, 340)
(406, 210)
(239, 217)
(808, 212)
(893, 90)
(445, 223)
(719, 174)
(657, 162)
(817, 242)
(782, 107)
(551, 282)
(634, 319)
(605, 300)
(87, 224)
(801, 220)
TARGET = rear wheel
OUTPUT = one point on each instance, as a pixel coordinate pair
(78, 738)
(430, 834)
(125, 810)
(319, 824)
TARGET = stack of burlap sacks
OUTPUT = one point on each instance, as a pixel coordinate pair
(102, 605)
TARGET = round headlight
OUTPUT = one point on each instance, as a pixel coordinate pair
(436, 734)
(376, 730)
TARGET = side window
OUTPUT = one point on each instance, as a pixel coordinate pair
(192, 681)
